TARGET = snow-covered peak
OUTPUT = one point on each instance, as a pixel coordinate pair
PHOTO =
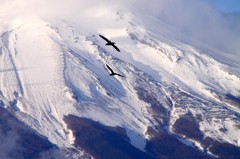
(53, 63)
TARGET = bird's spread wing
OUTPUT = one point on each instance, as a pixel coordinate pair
(120, 75)
(104, 38)
(109, 68)
(116, 48)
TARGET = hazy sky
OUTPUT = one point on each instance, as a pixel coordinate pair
(226, 5)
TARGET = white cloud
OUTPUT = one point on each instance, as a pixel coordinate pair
(197, 19)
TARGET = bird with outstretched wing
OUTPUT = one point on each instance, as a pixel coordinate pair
(110, 43)
(112, 73)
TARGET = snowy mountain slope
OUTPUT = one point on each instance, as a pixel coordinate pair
(33, 81)
(52, 68)
(187, 64)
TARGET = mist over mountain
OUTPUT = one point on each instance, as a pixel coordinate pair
(179, 96)
(198, 22)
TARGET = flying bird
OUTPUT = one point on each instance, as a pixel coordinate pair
(112, 72)
(110, 43)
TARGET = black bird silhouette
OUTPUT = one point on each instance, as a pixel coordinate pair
(112, 72)
(110, 43)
